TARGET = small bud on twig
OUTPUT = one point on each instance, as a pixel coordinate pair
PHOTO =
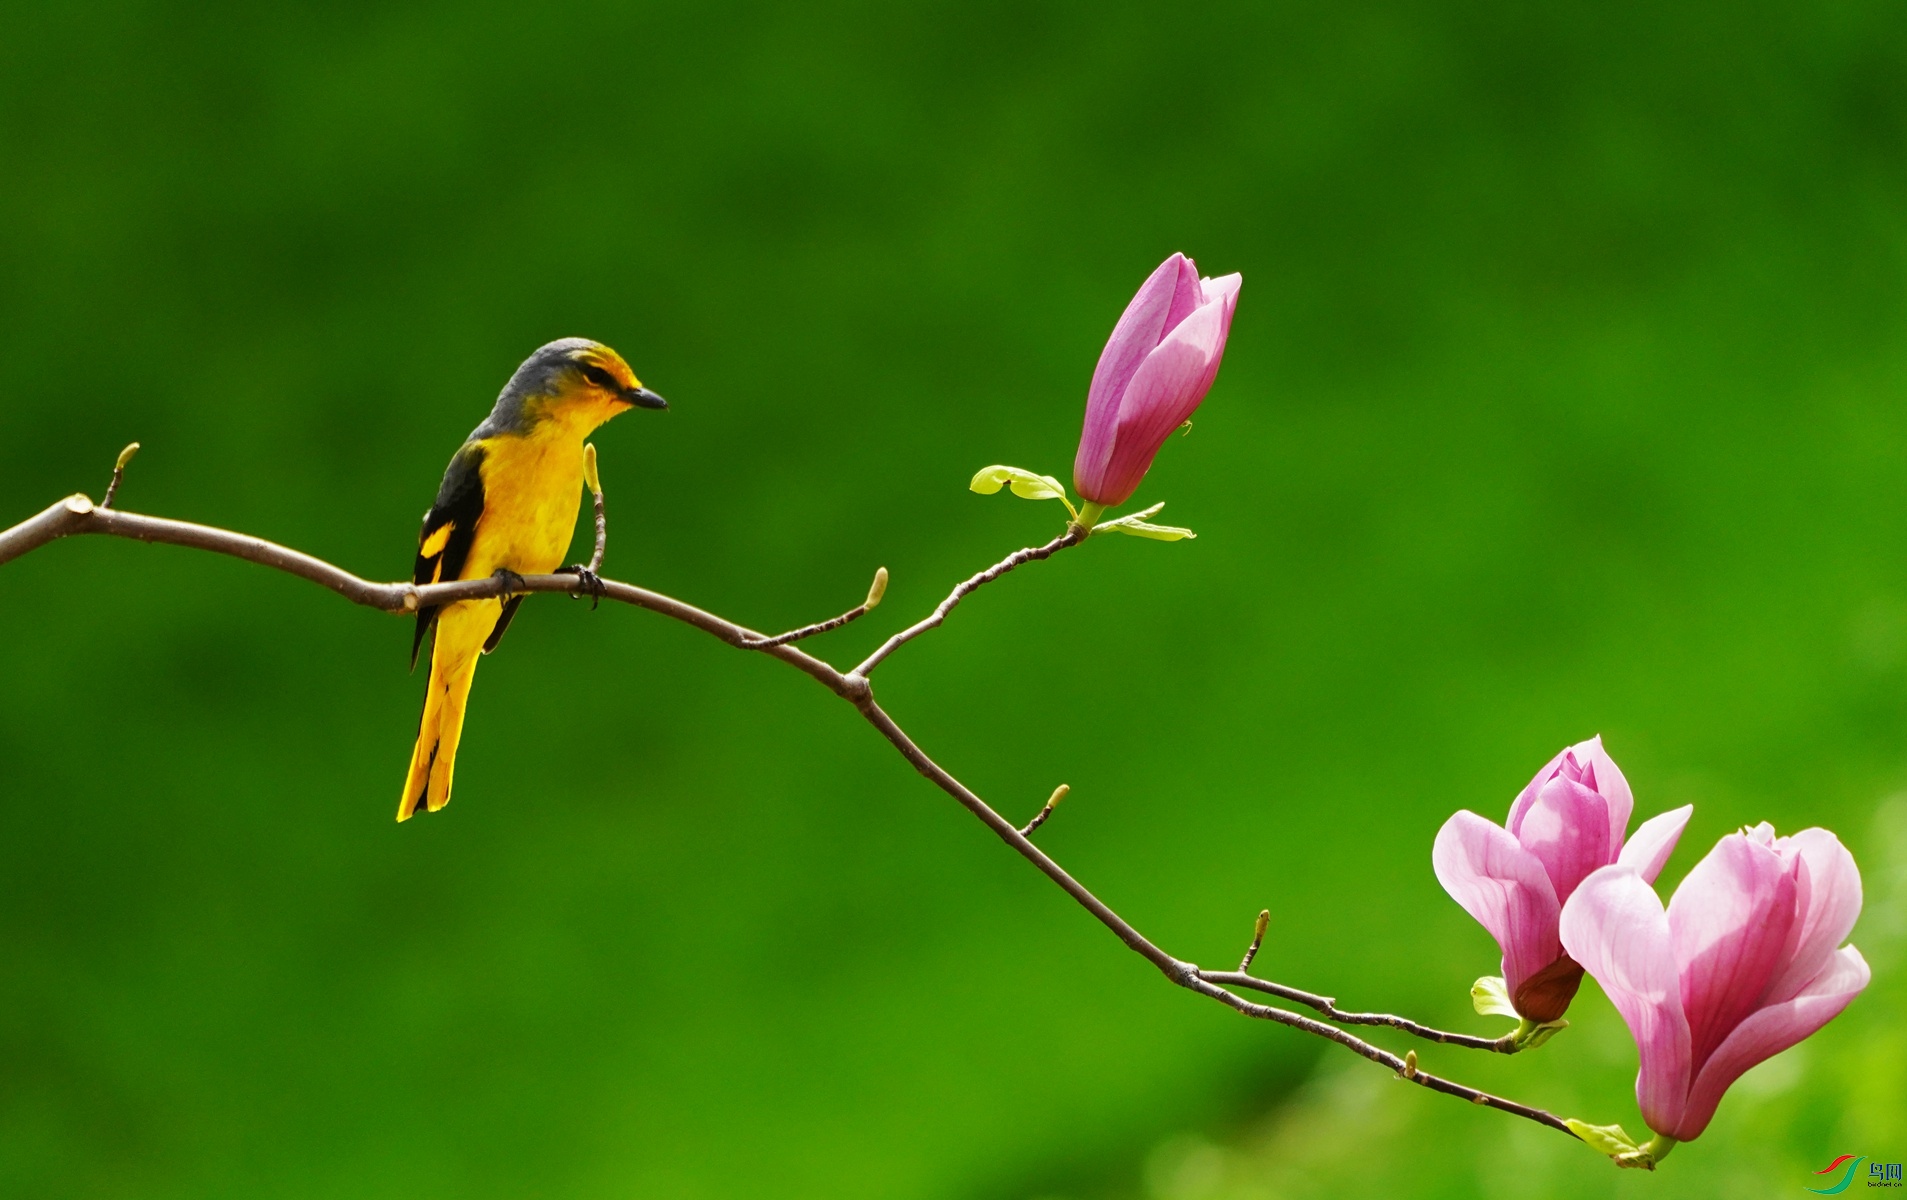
(1257, 939)
(877, 590)
(589, 467)
(1410, 1065)
(119, 473)
(1052, 802)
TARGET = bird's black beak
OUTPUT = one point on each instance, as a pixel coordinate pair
(642, 397)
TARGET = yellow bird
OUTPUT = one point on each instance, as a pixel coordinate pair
(507, 507)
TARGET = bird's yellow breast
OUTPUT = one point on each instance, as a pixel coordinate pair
(532, 492)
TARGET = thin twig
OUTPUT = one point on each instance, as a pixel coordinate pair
(77, 515)
(1328, 1006)
(1405, 1069)
(808, 631)
(1072, 537)
(874, 595)
(602, 516)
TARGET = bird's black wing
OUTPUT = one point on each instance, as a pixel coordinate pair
(449, 527)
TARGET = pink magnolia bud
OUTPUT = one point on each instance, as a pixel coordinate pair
(1156, 368)
(1745, 962)
(1568, 822)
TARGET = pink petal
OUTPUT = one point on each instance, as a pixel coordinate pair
(1138, 333)
(1527, 796)
(1648, 851)
(1771, 1030)
(1567, 829)
(1587, 763)
(1610, 783)
(1828, 899)
(1223, 292)
(1187, 294)
(1615, 927)
(1164, 391)
(1225, 287)
(1730, 919)
(1504, 887)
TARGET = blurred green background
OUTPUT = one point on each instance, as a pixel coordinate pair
(1565, 396)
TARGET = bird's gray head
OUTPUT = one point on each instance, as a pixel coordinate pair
(570, 379)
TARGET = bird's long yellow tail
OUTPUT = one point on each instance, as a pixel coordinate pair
(461, 630)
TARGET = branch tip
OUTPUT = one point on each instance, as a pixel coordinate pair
(1257, 938)
(119, 473)
(1052, 802)
(589, 467)
(876, 590)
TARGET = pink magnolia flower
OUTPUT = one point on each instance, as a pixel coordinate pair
(1569, 821)
(1742, 965)
(1156, 367)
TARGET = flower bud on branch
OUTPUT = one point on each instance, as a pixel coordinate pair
(1155, 370)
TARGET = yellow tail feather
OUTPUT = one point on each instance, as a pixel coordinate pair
(461, 630)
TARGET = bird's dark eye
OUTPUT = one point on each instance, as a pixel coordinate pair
(601, 378)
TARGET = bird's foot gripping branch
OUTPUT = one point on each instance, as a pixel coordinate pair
(1561, 886)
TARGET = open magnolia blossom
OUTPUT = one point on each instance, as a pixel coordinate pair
(1745, 962)
(1156, 368)
(1568, 822)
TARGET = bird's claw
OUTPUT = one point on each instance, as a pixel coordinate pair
(512, 582)
(592, 583)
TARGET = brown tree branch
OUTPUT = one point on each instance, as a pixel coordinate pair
(1074, 535)
(77, 516)
(1328, 1006)
(1406, 1069)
